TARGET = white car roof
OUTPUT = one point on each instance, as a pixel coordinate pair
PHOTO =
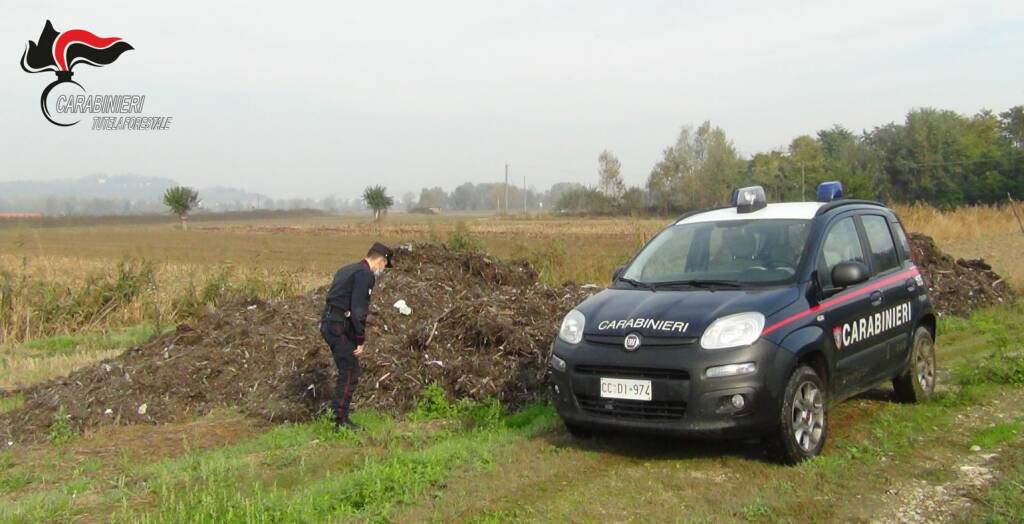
(788, 210)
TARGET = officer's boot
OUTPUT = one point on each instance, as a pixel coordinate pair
(341, 421)
(349, 425)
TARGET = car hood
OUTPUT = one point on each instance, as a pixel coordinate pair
(673, 313)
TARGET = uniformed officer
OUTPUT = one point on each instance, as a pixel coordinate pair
(343, 323)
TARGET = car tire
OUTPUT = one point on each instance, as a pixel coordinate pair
(917, 383)
(578, 431)
(803, 422)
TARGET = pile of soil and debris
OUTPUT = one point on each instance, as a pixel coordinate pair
(957, 287)
(480, 328)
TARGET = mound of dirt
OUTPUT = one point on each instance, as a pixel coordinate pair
(479, 327)
(957, 287)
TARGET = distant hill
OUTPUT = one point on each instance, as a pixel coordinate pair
(128, 187)
(112, 194)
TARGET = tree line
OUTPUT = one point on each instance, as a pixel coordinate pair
(935, 156)
(488, 196)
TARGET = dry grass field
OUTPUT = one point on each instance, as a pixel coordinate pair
(991, 233)
(74, 293)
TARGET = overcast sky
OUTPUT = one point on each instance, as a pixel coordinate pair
(301, 99)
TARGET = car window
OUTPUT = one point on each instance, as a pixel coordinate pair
(756, 252)
(673, 248)
(842, 244)
(883, 250)
(901, 237)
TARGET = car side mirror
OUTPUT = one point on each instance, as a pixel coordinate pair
(617, 273)
(849, 273)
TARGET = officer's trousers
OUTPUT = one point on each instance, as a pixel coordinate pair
(337, 337)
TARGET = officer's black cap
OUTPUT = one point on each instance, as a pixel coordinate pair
(383, 251)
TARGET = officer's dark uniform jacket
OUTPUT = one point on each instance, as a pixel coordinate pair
(343, 326)
(348, 299)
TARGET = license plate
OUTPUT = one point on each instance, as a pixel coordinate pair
(625, 388)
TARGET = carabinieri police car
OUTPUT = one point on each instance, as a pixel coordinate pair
(750, 320)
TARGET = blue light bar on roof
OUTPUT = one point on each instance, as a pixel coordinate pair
(829, 191)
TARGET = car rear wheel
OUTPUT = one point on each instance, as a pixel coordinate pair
(803, 424)
(917, 383)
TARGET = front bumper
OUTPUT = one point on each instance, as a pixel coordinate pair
(683, 401)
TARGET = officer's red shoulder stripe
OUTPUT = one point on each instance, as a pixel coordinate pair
(845, 296)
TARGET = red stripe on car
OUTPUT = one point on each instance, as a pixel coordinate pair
(845, 296)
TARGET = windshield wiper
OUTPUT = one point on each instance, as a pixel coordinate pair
(636, 283)
(697, 283)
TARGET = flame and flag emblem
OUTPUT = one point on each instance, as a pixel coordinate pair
(60, 52)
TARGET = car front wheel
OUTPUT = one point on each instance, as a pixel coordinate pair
(803, 424)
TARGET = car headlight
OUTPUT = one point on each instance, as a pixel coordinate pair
(572, 327)
(731, 331)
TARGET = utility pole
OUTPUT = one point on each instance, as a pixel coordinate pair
(803, 194)
(524, 194)
(506, 189)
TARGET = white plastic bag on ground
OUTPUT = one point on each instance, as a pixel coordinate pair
(403, 308)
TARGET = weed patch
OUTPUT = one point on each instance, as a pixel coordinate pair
(112, 339)
(462, 239)
(998, 434)
(61, 431)
(224, 485)
(434, 405)
(10, 402)
(1004, 364)
(14, 480)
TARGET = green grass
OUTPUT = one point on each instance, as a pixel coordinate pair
(225, 486)
(11, 402)
(41, 359)
(1004, 501)
(998, 434)
(893, 431)
(294, 472)
(117, 338)
(1003, 363)
(61, 431)
(434, 405)
(15, 480)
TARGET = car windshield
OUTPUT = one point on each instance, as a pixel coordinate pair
(726, 253)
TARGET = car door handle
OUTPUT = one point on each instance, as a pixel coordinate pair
(911, 285)
(876, 298)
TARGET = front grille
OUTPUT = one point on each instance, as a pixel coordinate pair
(632, 409)
(632, 372)
(646, 342)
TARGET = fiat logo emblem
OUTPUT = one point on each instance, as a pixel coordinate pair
(632, 342)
